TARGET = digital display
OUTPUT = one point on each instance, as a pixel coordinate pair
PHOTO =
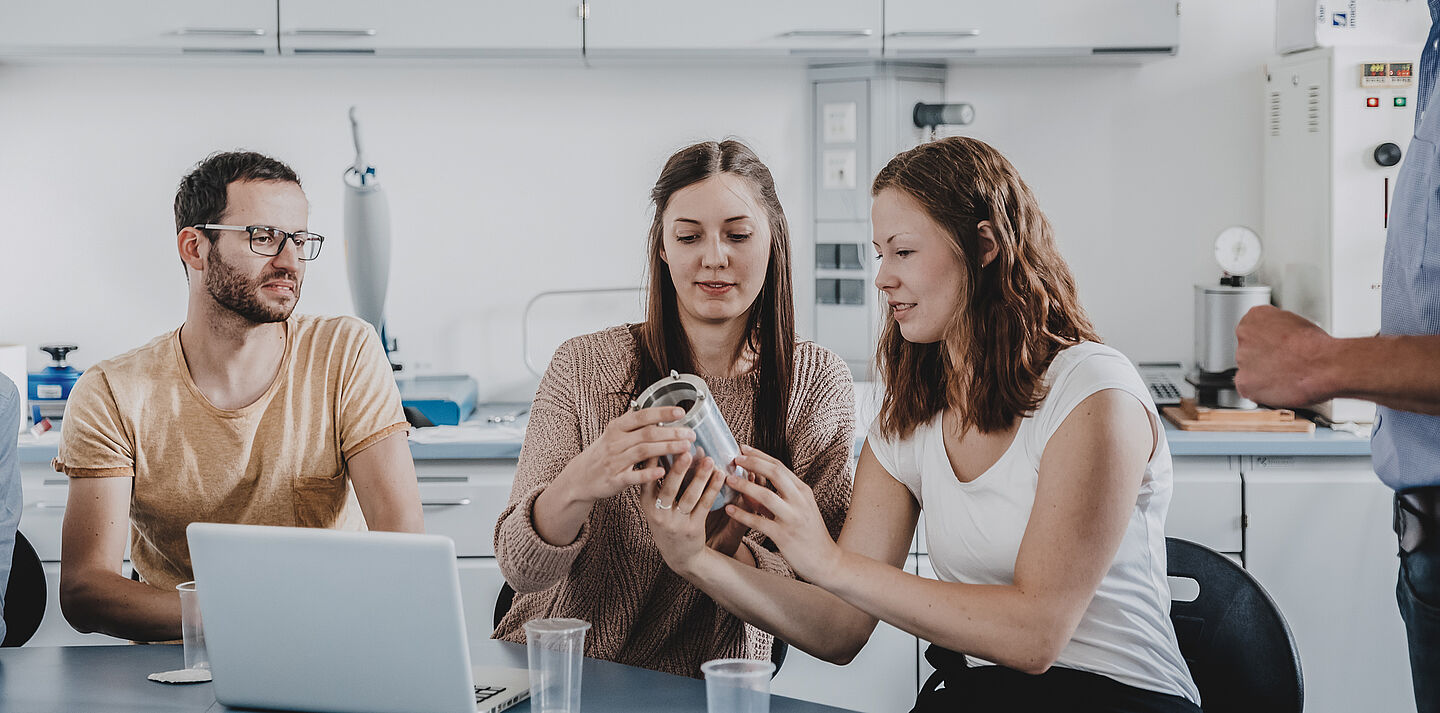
(1387, 75)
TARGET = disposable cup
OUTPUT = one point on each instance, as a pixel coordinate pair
(556, 648)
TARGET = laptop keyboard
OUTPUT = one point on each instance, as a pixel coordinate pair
(485, 693)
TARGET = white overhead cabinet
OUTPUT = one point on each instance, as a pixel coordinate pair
(432, 28)
(738, 28)
(918, 29)
(137, 27)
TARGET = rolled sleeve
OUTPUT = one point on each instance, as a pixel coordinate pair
(95, 442)
(370, 409)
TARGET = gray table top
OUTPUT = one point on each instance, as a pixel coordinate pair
(113, 678)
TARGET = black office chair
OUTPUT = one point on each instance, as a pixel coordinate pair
(1233, 637)
(24, 594)
(507, 598)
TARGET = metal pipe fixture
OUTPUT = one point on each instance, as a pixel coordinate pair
(712, 434)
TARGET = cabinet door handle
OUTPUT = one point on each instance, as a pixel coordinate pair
(829, 33)
(935, 34)
(460, 502)
(221, 31)
(331, 32)
(47, 505)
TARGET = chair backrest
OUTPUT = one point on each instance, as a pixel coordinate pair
(1239, 649)
(506, 599)
(24, 594)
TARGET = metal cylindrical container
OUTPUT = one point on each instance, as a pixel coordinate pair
(712, 434)
(1218, 309)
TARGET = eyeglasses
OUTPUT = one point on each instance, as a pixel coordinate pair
(268, 241)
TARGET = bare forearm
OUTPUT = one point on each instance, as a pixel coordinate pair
(998, 623)
(383, 476)
(803, 615)
(558, 516)
(396, 519)
(108, 603)
(1401, 372)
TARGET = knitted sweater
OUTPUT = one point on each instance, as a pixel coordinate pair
(612, 575)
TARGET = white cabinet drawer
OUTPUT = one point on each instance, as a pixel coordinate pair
(746, 28)
(465, 513)
(463, 499)
(1206, 507)
(480, 583)
(138, 28)
(941, 28)
(432, 28)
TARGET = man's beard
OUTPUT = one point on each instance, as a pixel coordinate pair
(233, 292)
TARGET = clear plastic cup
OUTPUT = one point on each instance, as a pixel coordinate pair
(556, 648)
(737, 685)
(192, 628)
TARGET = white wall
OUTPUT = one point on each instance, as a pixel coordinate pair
(1139, 168)
(503, 181)
(506, 180)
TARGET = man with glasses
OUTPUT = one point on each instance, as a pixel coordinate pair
(246, 413)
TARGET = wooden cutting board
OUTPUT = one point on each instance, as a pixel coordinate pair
(1190, 417)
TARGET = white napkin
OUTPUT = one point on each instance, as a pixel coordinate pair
(470, 432)
(184, 675)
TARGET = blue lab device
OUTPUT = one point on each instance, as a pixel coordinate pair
(50, 387)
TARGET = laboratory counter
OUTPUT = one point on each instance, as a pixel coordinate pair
(480, 438)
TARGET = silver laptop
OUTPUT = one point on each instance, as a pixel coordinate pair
(320, 620)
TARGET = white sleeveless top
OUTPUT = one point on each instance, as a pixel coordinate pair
(974, 529)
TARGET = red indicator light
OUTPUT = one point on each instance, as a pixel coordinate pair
(1372, 101)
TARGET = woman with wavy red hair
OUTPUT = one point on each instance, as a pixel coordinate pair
(1034, 450)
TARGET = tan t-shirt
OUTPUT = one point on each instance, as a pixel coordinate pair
(278, 461)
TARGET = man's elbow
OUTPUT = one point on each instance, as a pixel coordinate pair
(78, 602)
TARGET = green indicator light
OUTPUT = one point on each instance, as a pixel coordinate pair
(1399, 101)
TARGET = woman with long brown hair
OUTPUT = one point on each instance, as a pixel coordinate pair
(1034, 450)
(574, 540)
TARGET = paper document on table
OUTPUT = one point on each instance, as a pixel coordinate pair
(470, 433)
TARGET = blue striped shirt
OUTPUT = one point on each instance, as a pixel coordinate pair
(1405, 447)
